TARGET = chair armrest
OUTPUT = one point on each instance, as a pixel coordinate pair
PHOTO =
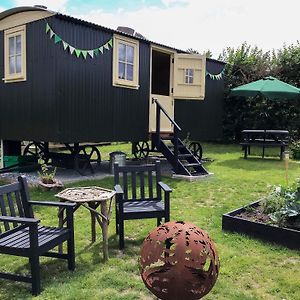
(119, 189)
(57, 204)
(19, 220)
(165, 187)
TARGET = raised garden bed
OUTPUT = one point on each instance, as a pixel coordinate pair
(240, 221)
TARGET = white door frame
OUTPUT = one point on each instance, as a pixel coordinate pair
(152, 113)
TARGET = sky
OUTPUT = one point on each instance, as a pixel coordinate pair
(202, 25)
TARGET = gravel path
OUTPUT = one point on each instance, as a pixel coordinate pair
(69, 175)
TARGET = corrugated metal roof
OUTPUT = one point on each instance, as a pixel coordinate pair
(16, 10)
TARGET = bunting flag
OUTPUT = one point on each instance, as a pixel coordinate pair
(92, 53)
(216, 76)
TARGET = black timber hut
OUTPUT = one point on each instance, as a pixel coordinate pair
(71, 81)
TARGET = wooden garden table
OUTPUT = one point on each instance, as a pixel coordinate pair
(90, 198)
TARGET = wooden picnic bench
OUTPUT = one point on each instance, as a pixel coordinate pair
(264, 139)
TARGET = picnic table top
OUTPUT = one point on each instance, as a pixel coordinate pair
(265, 131)
(86, 194)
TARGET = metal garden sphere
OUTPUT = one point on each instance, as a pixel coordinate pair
(179, 261)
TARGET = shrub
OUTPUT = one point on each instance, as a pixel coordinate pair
(295, 149)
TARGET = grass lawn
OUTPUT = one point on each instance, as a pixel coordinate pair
(250, 269)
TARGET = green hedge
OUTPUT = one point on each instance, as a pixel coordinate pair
(246, 64)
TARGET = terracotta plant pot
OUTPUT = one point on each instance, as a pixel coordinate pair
(54, 185)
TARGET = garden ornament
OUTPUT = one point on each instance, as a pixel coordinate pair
(179, 261)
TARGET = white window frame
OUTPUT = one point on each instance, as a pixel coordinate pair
(189, 76)
(133, 84)
(13, 32)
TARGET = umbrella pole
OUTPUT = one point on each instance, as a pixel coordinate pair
(286, 164)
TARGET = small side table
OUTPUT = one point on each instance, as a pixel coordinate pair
(91, 198)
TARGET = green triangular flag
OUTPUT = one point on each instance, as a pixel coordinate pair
(78, 52)
(84, 53)
(47, 28)
(110, 42)
(65, 45)
(57, 39)
(96, 52)
(106, 46)
(101, 49)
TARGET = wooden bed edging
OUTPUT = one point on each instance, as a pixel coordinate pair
(287, 237)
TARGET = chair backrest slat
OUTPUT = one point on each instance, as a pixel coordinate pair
(142, 184)
(25, 197)
(19, 204)
(150, 184)
(11, 208)
(139, 182)
(4, 212)
(125, 185)
(133, 184)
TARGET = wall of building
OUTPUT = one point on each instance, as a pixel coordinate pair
(70, 99)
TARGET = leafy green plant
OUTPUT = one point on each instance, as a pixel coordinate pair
(283, 205)
(46, 175)
(275, 201)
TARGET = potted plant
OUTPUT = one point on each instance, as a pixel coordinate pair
(47, 178)
(275, 218)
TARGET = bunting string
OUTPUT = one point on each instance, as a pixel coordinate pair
(216, 76)
(84, 53)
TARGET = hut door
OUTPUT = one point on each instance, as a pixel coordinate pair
(161, 88)
(189, 76)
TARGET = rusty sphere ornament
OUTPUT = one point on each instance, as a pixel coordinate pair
(179, 261)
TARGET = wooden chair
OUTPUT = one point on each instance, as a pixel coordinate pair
(21, 234)
(142, 200)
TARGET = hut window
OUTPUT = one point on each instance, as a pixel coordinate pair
(15, 54)
(189, 76)
(125, 62)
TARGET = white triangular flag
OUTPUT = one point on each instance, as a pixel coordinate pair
(91, 53)
(65, 45)
(51, 33)
(72, 49)
(106, 46)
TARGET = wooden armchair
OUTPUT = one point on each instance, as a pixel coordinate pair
(142, 200)
(21, 234)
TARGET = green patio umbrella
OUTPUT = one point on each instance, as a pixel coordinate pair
(269, 87)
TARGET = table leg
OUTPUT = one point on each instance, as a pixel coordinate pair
(104, 230)
(93, 222)
(60, 225)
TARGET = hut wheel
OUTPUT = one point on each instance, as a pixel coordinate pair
(85, 157)
(140, 150)
(37, 150)
(196, 149)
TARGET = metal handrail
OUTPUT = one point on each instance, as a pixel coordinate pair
(166, 114)
(177, 129)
